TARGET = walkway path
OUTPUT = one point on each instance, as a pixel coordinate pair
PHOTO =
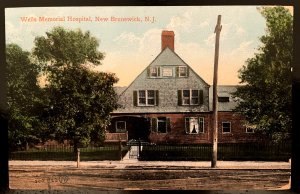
(128, 163)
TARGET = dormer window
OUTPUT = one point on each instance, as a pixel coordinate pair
(154, 71)
(182, 71)
(223, 99)
(167, 72)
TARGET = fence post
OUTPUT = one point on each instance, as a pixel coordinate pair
(120, 149)
(78, 157)
(139, 150)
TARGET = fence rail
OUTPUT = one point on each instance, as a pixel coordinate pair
(232, 151)
(116, 137)
(67, 153)
(203, 152)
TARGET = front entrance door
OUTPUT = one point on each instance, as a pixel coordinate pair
(137, 127)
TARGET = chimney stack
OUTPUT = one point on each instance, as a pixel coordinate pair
(167, 39)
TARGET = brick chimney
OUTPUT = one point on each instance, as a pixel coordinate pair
(167, 39)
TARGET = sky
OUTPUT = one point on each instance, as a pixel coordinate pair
(130, 46)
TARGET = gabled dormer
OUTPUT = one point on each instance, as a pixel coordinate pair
(168, 71)
(166, 68)
(167, 84)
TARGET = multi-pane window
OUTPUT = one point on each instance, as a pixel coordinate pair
(186, 97)
(145, 98)
(167, 72)
(120, 126)
(195, 97)
(194, 125)
(162, 124)
(226, 127)
(150, 97)
(154, 71)
(142, 97)
(182, 71)
(189, 97)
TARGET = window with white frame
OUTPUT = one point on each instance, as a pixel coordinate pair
(190, 97)
(120, 126)
(154, 71)
(195, 97)
(147, 97)
(142, 97)
(194, 125)
(185, 97)
(249, 130)
(226, 127)
(160, 125)
(182, 71)
(167, 72)
(150, 97)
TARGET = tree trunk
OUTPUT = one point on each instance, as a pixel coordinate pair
(26, 146)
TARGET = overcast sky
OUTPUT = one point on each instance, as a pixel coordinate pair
(131, 46)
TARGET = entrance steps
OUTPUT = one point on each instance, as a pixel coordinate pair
(132, 154)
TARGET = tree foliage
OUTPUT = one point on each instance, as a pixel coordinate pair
(79, 100)
(24, 97)
(79, 104)
(63, 47)
(266, 96)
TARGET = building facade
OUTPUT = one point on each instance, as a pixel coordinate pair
(168, 102)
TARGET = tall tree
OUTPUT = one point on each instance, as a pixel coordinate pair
(79, 100)
(266, 96)
(23, 97)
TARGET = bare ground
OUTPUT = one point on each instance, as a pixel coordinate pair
(138, 177)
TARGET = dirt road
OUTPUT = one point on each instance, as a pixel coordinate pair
(138, 177)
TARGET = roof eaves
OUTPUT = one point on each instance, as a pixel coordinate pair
(190, 68)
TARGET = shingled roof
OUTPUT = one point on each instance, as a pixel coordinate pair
(224, 91)
(119, 89)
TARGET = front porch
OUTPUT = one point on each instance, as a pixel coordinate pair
(116, 137)
(125, 128)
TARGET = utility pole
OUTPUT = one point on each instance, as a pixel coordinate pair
(215, 96)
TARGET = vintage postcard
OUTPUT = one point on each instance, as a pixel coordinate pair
(157, 97)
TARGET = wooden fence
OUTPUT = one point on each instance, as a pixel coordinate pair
(203, 152)
(66, 153)
(232, 151)
(116, 137)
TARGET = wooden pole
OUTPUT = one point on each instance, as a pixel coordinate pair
(78, 157)
(295, 167)
(215, 96)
